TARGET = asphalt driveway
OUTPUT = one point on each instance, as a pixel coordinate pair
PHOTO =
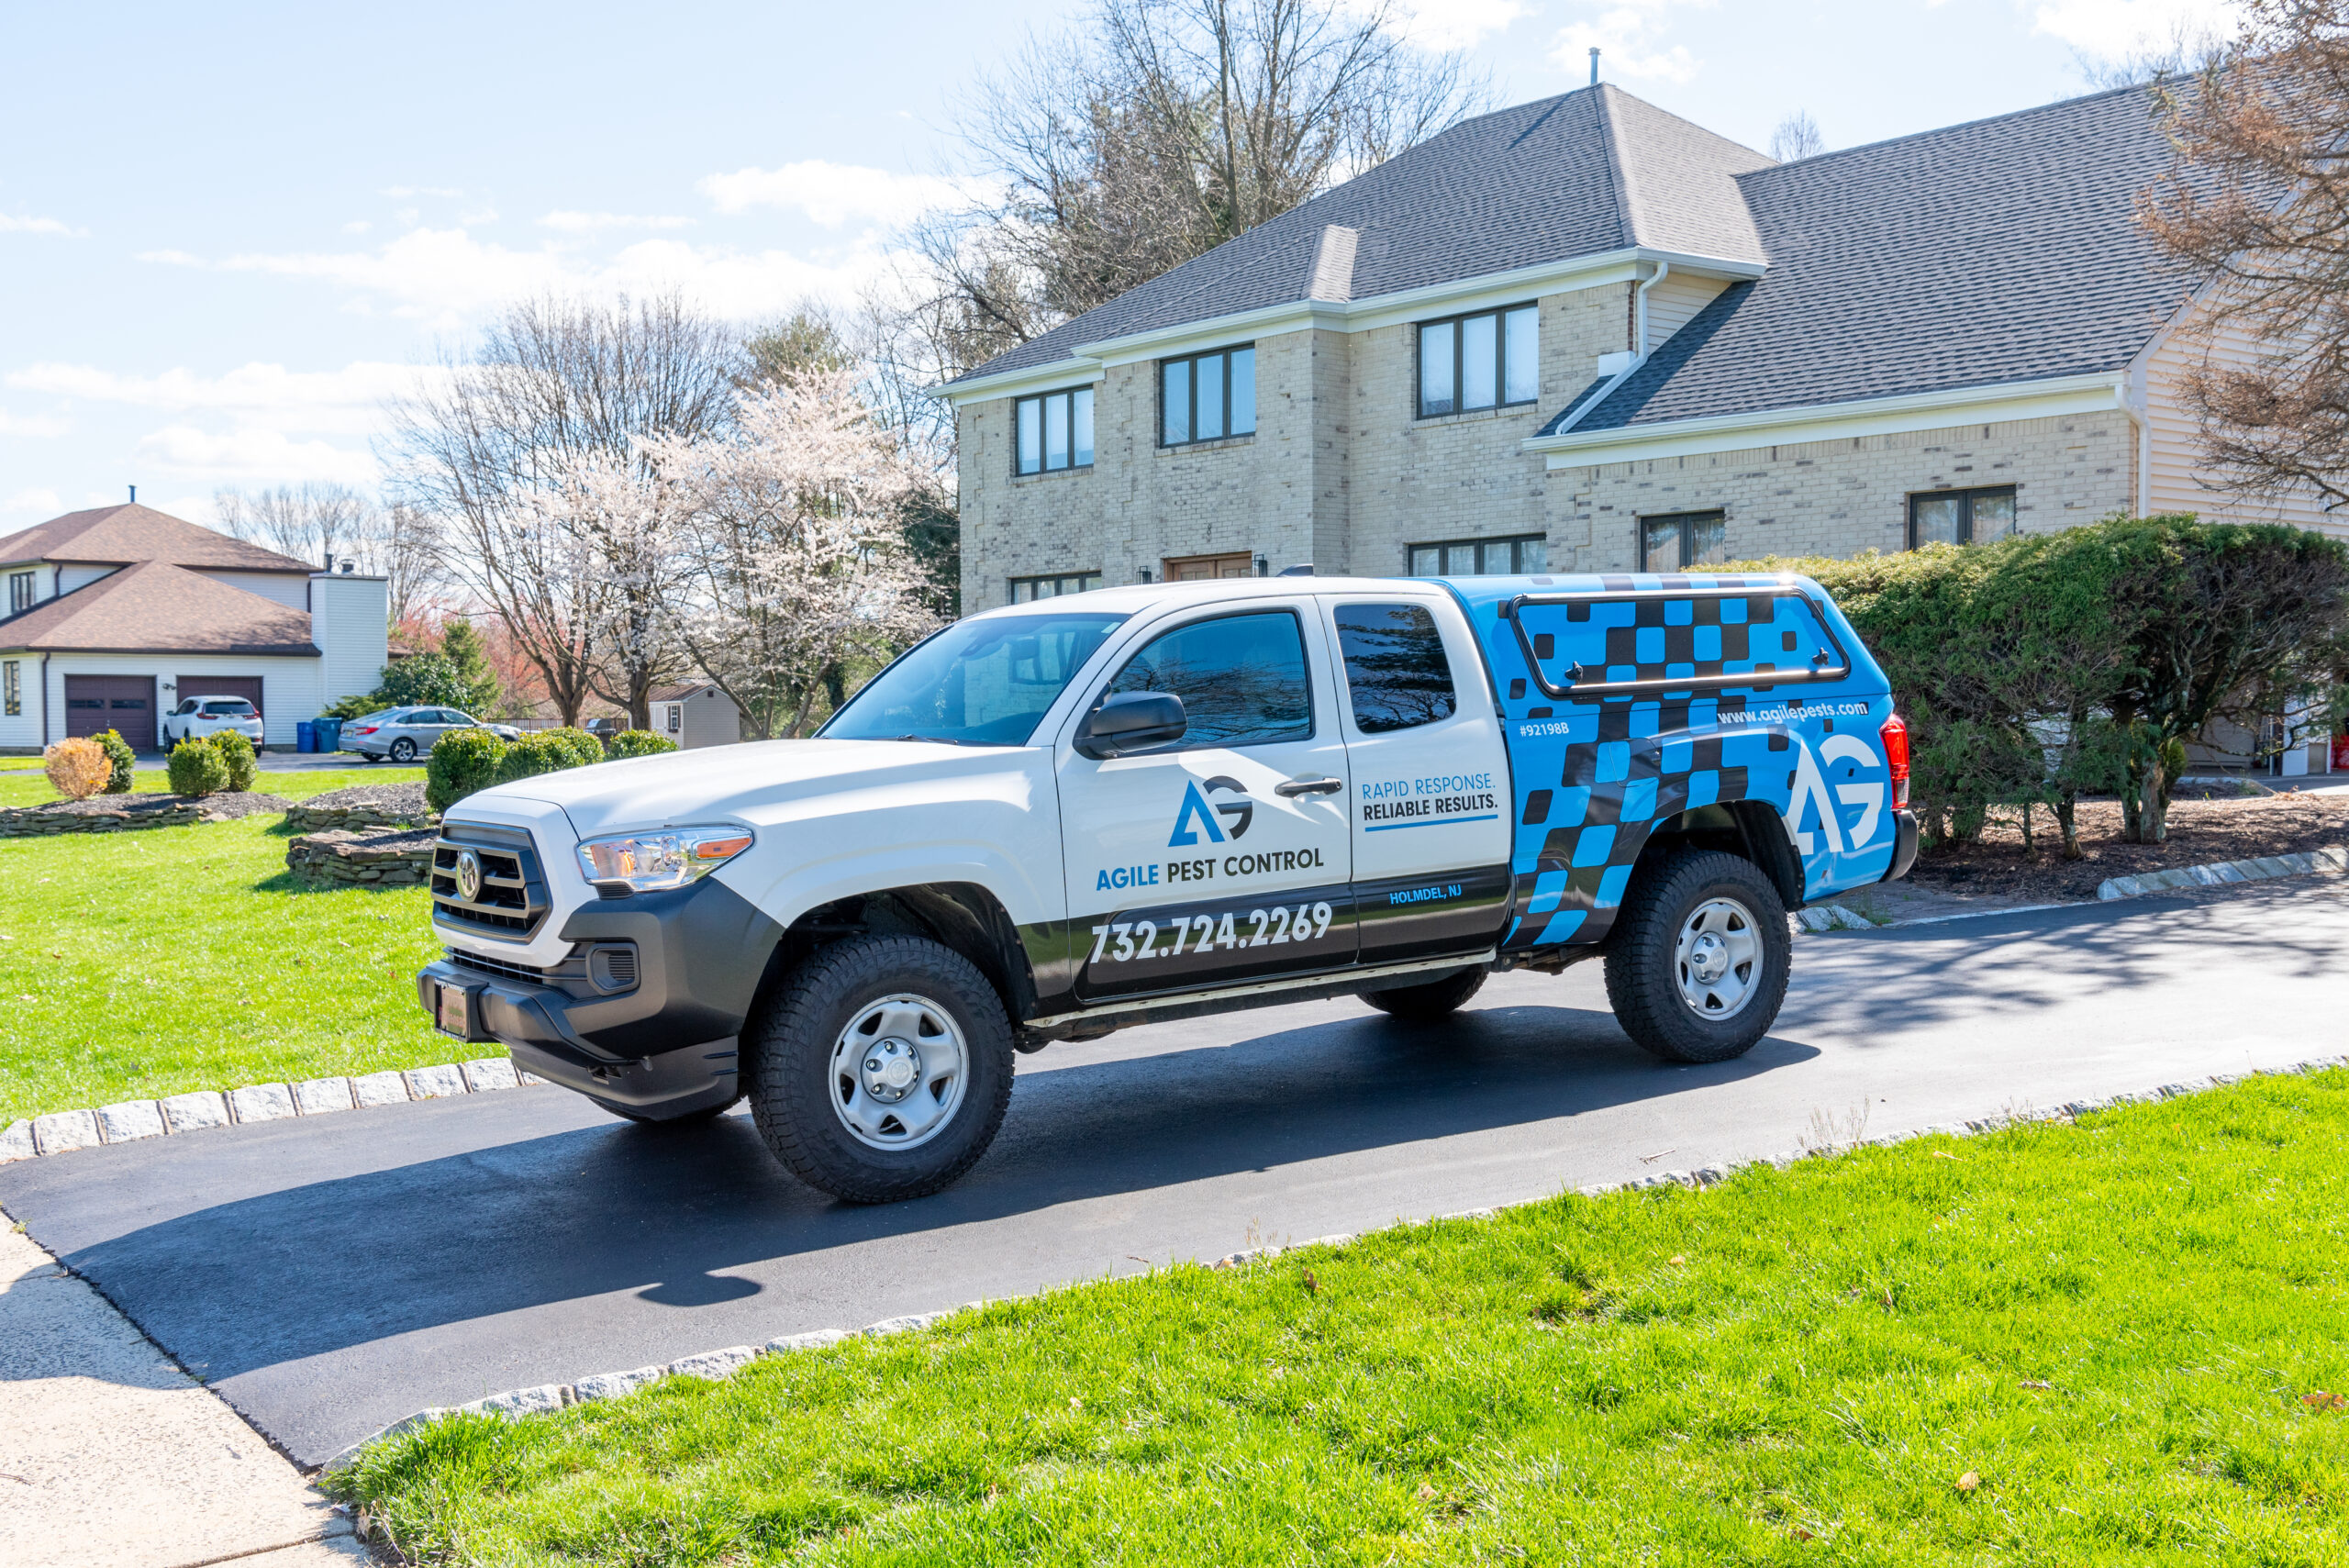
(329, 1276)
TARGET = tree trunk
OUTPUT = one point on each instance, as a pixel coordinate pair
(2026, 830)
(2066, 812)
(2153, 805)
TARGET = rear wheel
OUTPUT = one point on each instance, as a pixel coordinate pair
(1431, 999)
(1699, 962)
(402, 749)
(881, 1069)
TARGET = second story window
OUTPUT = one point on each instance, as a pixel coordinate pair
(1486, 360)
(1055, 430)
(1961, 517)
(20, 592)
(1206, 396)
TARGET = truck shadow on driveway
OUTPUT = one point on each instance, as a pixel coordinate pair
(248, 1248)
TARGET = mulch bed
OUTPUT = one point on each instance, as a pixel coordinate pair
(406, 796)
(242, 803)
(2200, 832)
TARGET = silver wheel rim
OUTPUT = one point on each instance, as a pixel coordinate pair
(1716, 962)
(899, 1072)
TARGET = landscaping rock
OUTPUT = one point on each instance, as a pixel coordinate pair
(716, 1365)
(130, 1121)
(385, 857)
(612, 1384)
(814, 1339)
(493, 1072)
(521, 1401)
(186, 1113)
(261, 1102)
(63, 1131)
(435, 1083)
(318, 1096)
(380, 1089)
(17, 1142)
(364, 806)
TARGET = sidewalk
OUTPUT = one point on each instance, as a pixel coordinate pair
(111, 1455)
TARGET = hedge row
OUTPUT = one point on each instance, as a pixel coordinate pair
(2041, 667)
(464, 760)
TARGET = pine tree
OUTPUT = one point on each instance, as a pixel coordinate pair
(463, 647)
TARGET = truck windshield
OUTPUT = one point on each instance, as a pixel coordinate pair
(983, 683)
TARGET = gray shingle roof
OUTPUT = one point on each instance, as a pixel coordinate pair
(1588, 171)
(2006, 249)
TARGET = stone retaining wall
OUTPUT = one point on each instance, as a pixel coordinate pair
(323, 818)
(380, 858)
(34, 821)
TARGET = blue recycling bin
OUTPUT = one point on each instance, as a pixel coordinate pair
(306, 736)
(329, 733)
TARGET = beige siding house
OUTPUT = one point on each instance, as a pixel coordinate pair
(1583, 334)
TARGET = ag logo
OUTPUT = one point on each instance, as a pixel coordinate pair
(1238, 813)
(1810, 792)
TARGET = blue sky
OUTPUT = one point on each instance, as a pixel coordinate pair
(228, 232)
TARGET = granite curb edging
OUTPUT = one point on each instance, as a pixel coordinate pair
(2219, 874)
(62, 1132)
(724, 1363)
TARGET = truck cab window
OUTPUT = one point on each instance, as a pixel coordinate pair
(1395, 670)
(1242, 678)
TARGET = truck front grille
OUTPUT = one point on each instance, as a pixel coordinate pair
(510, 900)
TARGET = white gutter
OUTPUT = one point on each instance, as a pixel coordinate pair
(1827, 421)
(1639, 355)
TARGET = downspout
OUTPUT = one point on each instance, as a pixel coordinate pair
(1639, 354)
(44, 702)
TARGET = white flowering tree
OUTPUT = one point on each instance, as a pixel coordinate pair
(624, 527)
(800, 568)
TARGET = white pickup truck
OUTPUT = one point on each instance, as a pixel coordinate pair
(1057, 819)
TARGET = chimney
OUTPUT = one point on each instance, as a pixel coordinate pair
(134, 495)
(1594, 65)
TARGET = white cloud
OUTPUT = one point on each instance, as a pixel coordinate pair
(170, 257)
(2119, 27)
(1633, 40)
(39, 503)
(39, 226)
(1454, 24)
(595, 222)
(479, 214)
(831, 195)
(37, 425)
(254, 453)
(342, 402)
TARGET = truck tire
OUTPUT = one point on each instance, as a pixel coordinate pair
(1698, 964)
(1430, 999)
(881, 1068)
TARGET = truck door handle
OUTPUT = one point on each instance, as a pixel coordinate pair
(1294, 787)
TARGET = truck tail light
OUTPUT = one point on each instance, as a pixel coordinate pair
(1895, 757)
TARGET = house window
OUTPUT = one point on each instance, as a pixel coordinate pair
(1677, 541)
(676, 716)
(12, 691)
(1024, 589)
(1055, 431)
(1961, 517)
(1206, 396)
(1481, 557)
(20, 592)
(1490, 360)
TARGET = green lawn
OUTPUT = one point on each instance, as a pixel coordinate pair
(27, 786)
(187, 957)
(2110, 1344)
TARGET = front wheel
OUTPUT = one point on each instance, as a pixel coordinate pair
(1431, 999)
(883, 1069)
(1698, 964)
(402, 749)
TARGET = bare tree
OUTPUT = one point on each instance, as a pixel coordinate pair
(1796, 137)
(550, 381)
(315, 522)
(2257, 203)
(2176, 56)
(1157, 129)
(408, 551)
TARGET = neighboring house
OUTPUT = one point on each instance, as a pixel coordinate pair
(1585, 335)
(696, 715)
(117, 615)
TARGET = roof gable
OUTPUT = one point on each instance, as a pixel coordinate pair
(155, 606)
(117, 536)
(1585, 172)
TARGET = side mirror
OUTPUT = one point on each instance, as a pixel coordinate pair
(1132, 721)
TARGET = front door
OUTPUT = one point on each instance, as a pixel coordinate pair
(1208, 568)
(1431, 787)
(1224, 856)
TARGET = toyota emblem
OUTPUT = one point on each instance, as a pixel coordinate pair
(469, 875)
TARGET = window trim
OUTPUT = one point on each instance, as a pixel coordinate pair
(1152, 633)
(1044, 468)
(12, 686)
(1640, 536)
(1515, 541)
(23, 591)
(1011, 584)
(1964, 499)
(1499, 314)
(1192, 381)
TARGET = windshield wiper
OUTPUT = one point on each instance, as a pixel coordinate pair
(934, 739)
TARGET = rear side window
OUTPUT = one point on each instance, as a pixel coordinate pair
(1395, 670)
(1242, 679)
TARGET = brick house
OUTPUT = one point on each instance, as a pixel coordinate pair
(116, 614)
(1584, 334)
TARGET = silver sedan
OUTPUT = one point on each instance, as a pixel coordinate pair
(402, 734)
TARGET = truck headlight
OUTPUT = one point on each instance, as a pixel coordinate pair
(671, 858)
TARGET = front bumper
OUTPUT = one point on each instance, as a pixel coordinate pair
(647, 978)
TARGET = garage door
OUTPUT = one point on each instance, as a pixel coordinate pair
(245, 687)
(125, 704)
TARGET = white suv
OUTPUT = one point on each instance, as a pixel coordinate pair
(198, 717)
